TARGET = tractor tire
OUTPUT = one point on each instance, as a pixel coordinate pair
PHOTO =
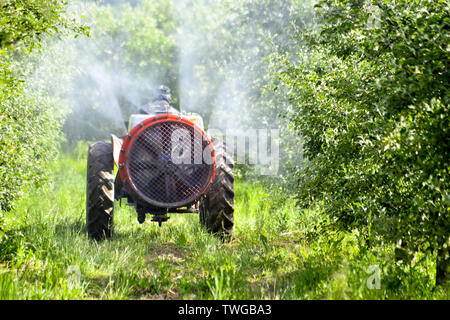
(217, 205)
(100, 191)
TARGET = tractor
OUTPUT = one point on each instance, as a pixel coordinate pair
(166, 164)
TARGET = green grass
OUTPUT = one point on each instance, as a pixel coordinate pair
(278, 252)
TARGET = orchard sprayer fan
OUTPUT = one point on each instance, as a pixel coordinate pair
(166, 164)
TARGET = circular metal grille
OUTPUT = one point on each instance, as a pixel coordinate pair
(165, 164)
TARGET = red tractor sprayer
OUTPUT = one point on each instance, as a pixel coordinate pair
(166, 164)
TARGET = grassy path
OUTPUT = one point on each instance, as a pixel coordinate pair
(275, 253)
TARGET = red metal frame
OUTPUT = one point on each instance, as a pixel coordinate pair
(140, 128)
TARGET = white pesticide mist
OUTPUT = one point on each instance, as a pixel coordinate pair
(212, 54)
(97, 90)
(223, 47)
(223, 52)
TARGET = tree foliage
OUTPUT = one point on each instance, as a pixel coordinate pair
(30, 126)
(372, 102)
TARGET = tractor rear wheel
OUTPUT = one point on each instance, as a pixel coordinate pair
(217, 205)
(100, 191)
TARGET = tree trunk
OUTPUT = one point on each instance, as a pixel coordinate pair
(442, 266)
